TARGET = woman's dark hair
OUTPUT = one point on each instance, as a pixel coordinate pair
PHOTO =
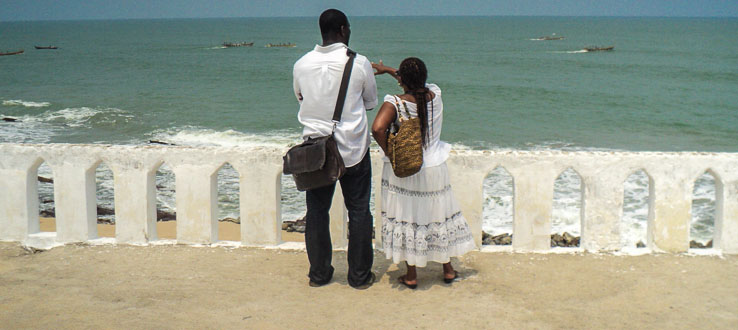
(413, 75)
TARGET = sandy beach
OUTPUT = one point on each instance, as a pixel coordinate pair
(175, 286)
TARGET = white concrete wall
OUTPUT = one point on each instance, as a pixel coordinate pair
(672, 177)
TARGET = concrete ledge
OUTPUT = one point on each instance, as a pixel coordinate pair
(672, 175)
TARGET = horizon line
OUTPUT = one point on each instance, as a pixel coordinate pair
(357, 16)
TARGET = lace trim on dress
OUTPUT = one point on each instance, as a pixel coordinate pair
(435, 236)
(414, 193)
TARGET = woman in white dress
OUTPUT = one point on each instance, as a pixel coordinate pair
(421, 220)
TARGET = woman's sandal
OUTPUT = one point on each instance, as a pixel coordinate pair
(402, 280)
(449, 280)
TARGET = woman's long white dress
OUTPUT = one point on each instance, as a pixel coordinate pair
(421, 219)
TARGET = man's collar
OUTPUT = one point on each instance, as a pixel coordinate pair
(330, 48)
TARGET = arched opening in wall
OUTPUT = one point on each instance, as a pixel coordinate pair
(566, 215)
(704, 212)
(229, 215)
(497, 211)
(634, 224)
(293, 211)
(46, 204)
(105, 201)
(166, 216)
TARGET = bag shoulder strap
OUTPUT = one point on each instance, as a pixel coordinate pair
(398, 107)
(344, 87)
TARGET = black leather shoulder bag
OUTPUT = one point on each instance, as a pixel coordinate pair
(316, 162)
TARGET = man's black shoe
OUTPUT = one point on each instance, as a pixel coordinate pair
(368, 283)
(316, 284)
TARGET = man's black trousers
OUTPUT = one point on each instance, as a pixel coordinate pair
(356, 187)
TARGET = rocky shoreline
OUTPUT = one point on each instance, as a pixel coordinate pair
(557, 240)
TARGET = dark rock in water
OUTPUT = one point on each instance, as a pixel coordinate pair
(165, 216)
(564, 240)
(697, 245)
(568, 238)
(104, 211)
(160, 142)
(11, 120)
(299, 227)
(502, 239)
(294, 226)
(105, 221)
(486, 238)
(229, 219)
(47, 213)
(640, 244)
(47, 201)
(557, 240)
(45, 180)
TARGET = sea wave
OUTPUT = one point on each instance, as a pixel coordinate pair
(198, 136)
(27, 104)
(24, 132)
(82, 116)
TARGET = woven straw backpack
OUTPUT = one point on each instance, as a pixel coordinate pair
(404, 147)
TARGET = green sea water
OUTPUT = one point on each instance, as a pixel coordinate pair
(670, 83)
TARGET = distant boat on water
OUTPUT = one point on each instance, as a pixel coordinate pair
(269, 45)
(46, 47)
(551, 37)
(237, 44)
(12, 53)
(599, 49)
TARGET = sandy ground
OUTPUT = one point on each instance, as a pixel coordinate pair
(174, 286)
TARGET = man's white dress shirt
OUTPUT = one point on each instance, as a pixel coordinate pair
(316, 80)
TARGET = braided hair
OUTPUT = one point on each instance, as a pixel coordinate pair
(413, 75)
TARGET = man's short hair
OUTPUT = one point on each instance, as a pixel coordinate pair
(331, 21)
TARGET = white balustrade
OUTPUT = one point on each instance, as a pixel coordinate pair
(671, 175)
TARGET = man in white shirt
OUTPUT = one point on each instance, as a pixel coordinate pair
(316, 81)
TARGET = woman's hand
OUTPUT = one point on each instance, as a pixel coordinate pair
(381, 69)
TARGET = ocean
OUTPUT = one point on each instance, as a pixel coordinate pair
(670, 84)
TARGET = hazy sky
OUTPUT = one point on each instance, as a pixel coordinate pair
(15, 10)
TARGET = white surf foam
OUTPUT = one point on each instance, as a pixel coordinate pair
(27, 104)
(23, 132)
(74, 117)
(195, 136)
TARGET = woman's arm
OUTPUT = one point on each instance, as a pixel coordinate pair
(382, 122)
(381, 69)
